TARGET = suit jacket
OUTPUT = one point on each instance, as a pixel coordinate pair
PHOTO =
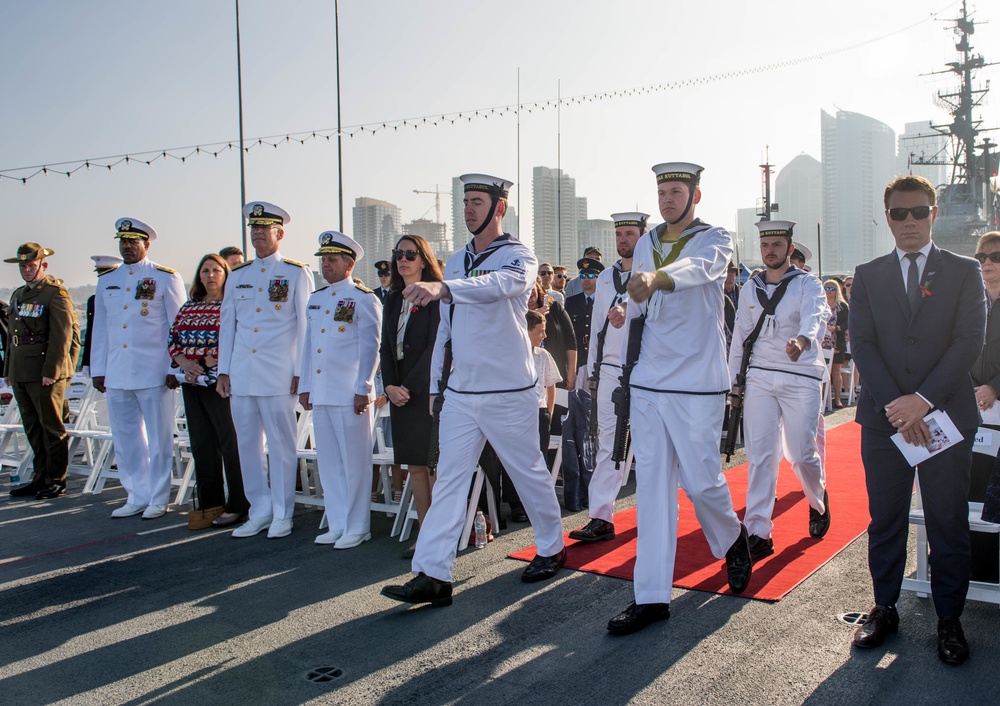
(90, 330)
(44, 311)
(580, 314)
(414, 371)
(986, 370)
(930, 350)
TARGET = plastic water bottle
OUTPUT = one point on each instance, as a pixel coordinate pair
(480, 527)
(15, 478)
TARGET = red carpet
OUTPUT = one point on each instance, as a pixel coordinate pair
(796, 554)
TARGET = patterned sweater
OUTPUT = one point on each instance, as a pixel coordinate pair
(195, 334)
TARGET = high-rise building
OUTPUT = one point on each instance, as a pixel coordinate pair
(376, 226)
(746, 238)
(459, 232)
(798, 193)
(593, 232)
(434, 233)
(922, 143)
(556, 215)
(859, 159)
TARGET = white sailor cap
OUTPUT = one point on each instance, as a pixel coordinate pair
(494, 186)
(630, 218)
(678, 171)
(768, 228)
(805, 252)
(133, 228)
(262, 213)
(105, 262)
(333, 243)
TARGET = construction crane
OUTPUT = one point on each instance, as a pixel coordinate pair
(437, 201)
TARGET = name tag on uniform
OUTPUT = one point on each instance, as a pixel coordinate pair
(238, 286)
(113, 286)
(30, 311)
(277, 291)
(344, 311)
(146, 289)
(315, 306)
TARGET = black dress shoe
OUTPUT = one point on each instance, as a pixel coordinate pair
(544, 567)
(636, 617)
(517, 513)
(27, 490)
(760, 547)
(51, 491)
(952, 647)
(820, 524)
(739, 565)
(595, 531)
(882, 622)
(421, 589)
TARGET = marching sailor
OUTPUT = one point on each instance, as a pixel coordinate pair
(604, 361)
(783, 381)
(678, 394)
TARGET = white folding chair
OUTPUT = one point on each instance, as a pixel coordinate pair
(478, 480)
(827, 397)
(555, 442)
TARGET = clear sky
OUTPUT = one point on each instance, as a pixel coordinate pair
(89, 79)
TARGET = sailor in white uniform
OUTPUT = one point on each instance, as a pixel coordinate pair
(783, 380)
(134, 307)
(261, 334)
(490, 394)
(604, 360)
(343, 329)
(678, 390)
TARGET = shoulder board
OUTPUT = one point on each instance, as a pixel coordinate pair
(241, 266)
(294, 262)
(168, 270)
(322, 289)
(107, 271)
(365, 289)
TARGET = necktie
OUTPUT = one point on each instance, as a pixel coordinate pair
(913, 282)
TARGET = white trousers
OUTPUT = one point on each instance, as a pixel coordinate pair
(344, 453)
(606, 481)
(676, 441)
(142, 428)
(509, 421)
(780, 410)
(255, 417)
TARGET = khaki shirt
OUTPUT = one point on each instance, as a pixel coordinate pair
(43, 313)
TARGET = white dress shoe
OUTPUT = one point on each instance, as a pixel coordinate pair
(252, 527)
(154, 511)
(330, 537)
(128, 510)
(279, 528)
(351, 540)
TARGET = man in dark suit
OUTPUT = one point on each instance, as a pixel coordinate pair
(384, 277)
(102, 264)
(918, 319)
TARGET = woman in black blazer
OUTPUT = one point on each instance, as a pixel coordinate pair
(408, 334)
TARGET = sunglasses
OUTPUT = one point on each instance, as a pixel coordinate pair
(992, 257)
(544, 274)
(830, 289)
(560, 276)
(588, 275)
(918, 212)
(410, 255)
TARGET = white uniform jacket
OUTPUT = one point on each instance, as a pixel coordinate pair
(683, 342)
(263, 325)
(801, 312)
(343, 329)
(488, 331)
(134, 309)
(606, 296)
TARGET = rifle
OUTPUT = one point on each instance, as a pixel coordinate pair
(622, 396)
(736, 403)
(434, 450)
(594, 382)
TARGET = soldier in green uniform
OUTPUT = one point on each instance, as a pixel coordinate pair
(43, 343)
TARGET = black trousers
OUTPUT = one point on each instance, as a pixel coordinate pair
(944, 487)
(213, 446)
(43, 413)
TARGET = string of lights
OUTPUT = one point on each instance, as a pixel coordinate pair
(214, 149)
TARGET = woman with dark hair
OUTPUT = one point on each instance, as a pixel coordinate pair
(836, 336)
(408, 334)
(194, 349)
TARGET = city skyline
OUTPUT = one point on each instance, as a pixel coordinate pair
(70, 95)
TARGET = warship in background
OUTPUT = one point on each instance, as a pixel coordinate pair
(968, 202)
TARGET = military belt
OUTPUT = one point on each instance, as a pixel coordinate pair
(28, 339)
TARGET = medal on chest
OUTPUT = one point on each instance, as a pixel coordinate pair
(277, 291)
(146, 289)
(344, 311)
(30, 311)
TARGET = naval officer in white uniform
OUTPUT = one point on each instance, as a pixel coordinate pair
(608, 321)
(134, 306)
(679, 387)
(343, 330)
(783, 381)
(490, 395)
(261, 334)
